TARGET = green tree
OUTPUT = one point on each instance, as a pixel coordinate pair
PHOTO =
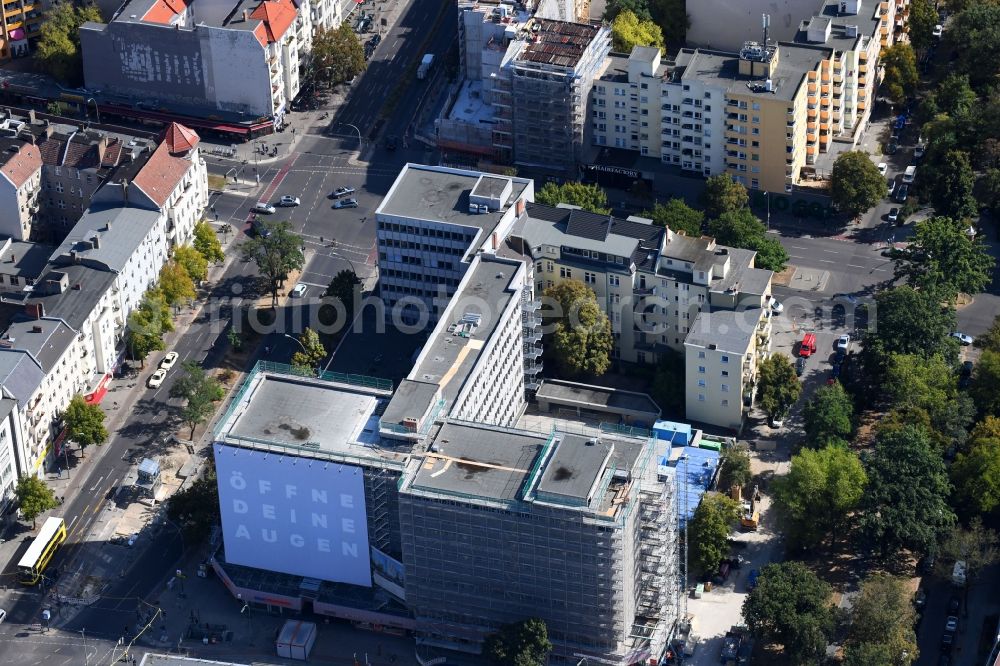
(906, 504)
(175, 284)
(882, 621)
(985, 386)
(193, 262)
(791, 606)
(975, 37)
(668, 382)
(828, 416)
(587, 197)
(952, 186)
(58, 50)
(778, 386)
(342, 287)
(819, 493)
(856, 184)
(200, 391)
(975, 545)
(723, 195)
(901, 76)
(235, 339)
(741, 228)
(920, 23)
(991, 338)
(580, 338)
(337, 55)
(976, 473)
(955, 96)
(312, 353)
(84, 423)
(524, 643)
(638, 7)
(945, 259)
(206, 241)
(195, 509)
(987, 191)
(33, 498)
(147, 324)
(908, 322)
(277, 253)
(628, 31)
(671, 16)
(677, 216)
(708, 531)
(931, 385)
(734, 468)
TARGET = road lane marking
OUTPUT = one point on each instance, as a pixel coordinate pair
(73, 521)
(856, 266)
(97, 483)
(827, 261)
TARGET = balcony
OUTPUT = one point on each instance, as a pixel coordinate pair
(532, 352)
(641, 290)
(533, 369)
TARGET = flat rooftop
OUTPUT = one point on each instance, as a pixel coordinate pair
(722, 68)
(729, 331)
(307, 416)
(559, 43)
(470, 107)
(441, 194)
(597, 398)
(469, 322)
(478, 461)
(574, 469)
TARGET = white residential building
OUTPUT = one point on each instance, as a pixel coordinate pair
(20, 183)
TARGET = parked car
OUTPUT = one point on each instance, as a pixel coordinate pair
(259, 226)
(730, 646)
(951, 623)
(346, 203)
(938, 30)
(752, 579)
(947, 641)
(169, 359)
(391, 142)
(843, 342)
(341, 192)
(156, 379)
(919, 151)
(893, 214)
(902, 193)
(890, 186)
(891, 148)
(965, 376)
(3, 615)
(882, 168)
(964, 338)
(299, 290)
(265, 208)
(800, 366)
(777, 421)
(775, 305)
(954, 603)
(920, 599)
(288, 200)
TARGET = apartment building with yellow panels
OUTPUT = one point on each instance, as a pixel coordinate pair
(22, 21)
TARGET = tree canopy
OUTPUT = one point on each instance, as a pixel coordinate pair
(84, 423)
(882, 621)
(975, 545)
(524, 643)
(723, 195)
(337, 55)
(578, 330)
(975, 36)
(34, 497)
(638, 7)
(901, 76)
(778, 386)
(909, 322)
(828, 416)
(976, 472)
(58, 50)
(587, 196)
(985, 387)
(206, 241)
(734, 468)
(943, 257)
(819, 493)
(668, 382)
(952, 184)
(175, 284)
(708, 531)
(677, 216)
(920, 23)
(343, 287)
(147, 325)
(791, 606)
(906, 503)
(312, 354)
(628, 31)
(742, 229)
(856, 184)
(195, 509)
(929, 384)
(193, 262)
(276, 253)
(200, 391)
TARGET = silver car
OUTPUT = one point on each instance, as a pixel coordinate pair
(346, 203)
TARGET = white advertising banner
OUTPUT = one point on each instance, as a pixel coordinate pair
(298, 516)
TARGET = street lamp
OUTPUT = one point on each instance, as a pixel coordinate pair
(360, 142)
(249, 611)
(97, 109)
(319, 365)
(767, 198)
(86, 651)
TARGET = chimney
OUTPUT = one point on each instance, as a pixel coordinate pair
(125, 189)
(96, 242)
(246, 15)
(102, 148)
(36, 329)
(34, 310)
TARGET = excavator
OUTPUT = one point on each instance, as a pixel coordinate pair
(749, 509)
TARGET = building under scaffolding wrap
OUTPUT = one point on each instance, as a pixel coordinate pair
(501, 524)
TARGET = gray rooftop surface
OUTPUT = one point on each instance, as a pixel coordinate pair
(447, 358)
(46, 339)
(597, 397)
(308, 414)
(730, 331)
(25, 259)
(412, 399)
(480, 461)
(19, 374)
(428, 193)
(74, 305)
(574, 468)
(117, 243)
(722, 68)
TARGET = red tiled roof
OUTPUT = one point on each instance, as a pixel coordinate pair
(21, 165)
(113, 153)
(161, 173)
(277, 16)
(180, 139)
(163, 11)
(82, 153)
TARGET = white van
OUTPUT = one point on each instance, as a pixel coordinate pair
(910, 174)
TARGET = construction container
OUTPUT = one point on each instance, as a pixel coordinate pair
(296, 640)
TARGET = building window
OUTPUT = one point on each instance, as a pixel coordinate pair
(701, 383)
(701, 397)
(725, 388)
(641, 356)
(565, 273)
(725, 373)
(614, 280)
(701, 369)
(725, 403)
(589, 278)
(725, 359)
(701, 354)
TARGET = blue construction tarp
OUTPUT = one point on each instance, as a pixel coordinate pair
(678, 434)
(695, 469)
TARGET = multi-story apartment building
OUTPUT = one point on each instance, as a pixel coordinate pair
(527, 79)
(22, 22)
(237, 57)
(431, 223)
(20, 377)
(20, 183)
(722, 352)
(21, 262)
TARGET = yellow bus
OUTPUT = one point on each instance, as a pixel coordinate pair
(39, 554)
